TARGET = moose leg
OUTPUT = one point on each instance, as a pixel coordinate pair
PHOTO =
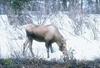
(30, 47)
(51, 48)
(24, 46)
(47, 46)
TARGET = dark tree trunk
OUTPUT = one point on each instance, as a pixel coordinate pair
(97, 6)
(81, 5)
(64, 3)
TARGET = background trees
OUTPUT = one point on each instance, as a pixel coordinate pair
(48, 6)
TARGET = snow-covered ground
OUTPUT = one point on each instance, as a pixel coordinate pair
(84, 46)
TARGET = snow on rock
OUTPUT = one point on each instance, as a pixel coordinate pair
(12, 39)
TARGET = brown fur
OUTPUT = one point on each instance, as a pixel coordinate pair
(44, 33)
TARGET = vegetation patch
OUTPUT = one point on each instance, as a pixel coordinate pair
(40, 63)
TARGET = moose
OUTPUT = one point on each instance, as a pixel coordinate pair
(44, 33)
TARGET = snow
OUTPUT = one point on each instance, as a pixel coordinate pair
(84, 46)
(84, 49)
(4, 48)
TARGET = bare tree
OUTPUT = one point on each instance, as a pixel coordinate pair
(97, 6)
